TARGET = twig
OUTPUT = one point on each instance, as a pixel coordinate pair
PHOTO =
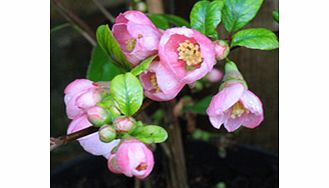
(56, 142)
(106, 13)
(76, 22)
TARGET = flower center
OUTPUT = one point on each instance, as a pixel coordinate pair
(238, 110)
(154, 83)
(141, 167)
(190, 53)
(130, 44)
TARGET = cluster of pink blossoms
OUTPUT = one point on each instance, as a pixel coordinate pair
(184, 56)
(132, 157)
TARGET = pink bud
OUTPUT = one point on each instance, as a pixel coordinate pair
(187, 53)
(234, 106)
(124, 124)
(215, 75)
(136, 35)
(107, 133)
(97, 116)
(222, 49)
(132, 158)
(159, 84)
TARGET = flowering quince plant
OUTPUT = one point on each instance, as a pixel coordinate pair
(146, 61)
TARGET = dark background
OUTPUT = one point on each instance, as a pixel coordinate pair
(70, 55)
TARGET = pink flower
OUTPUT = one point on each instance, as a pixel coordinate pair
(222, 49)
(136, 35)
(124, 124)
(234, 106)
(80, 95)
(188, 54)
(91, 143)
(132, 158)
(159, 84)
(215, 75)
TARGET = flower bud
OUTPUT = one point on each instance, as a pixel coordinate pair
(107, 133)
(132, 158)
(222, 49)
(98, 116)
(124, 124)
(232, 75)
(214, 75)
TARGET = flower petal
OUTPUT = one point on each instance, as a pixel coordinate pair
(225, 98)
(147, 36)
(122, 35)
(92, 144)
(77, 86)
(251, 102)
(133, 16)
(233, 124)
(218, 120)
(252, 120)
(78, 124)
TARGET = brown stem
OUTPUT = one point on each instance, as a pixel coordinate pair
(176, 161)
(76, 22)
(56, 142)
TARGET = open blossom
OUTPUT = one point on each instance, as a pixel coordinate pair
(136, 35)
(91, 143)
(80, 95)
(159, 83)
(132, 158)
(187, 53)
(234, 106)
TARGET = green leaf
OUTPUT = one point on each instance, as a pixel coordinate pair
(101, 67)
(237, 13)
(201, 106)
(275, 15)
(142, 66)
(176, 20)
(127, 91)
(205, 17)
(150, 134)
(159, 21)
(111, 47)
(255, 38)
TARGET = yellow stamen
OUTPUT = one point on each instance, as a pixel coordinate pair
(130, 44)
(154, 83)
(238, 109)
(190, 53)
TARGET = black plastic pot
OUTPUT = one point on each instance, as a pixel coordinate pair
(243, 167)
